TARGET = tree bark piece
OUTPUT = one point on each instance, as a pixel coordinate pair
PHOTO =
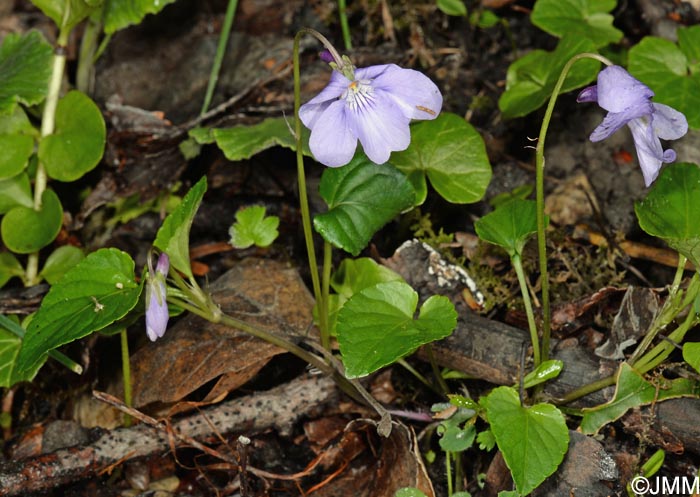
(279, 407)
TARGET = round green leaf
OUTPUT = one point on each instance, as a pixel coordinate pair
(15, 192)
(78, 142)
(409, 492)
(666, 69)
(67, 13)
(25, 69)
(376, 326)
(509, 226)
(451, 153)
(98, 291)
(16, 150)
(25, 230)
(533, 440)
(531, 79)
(119, 14)
(61, 261)
(580, 18)
(362, 197)
(671, 209)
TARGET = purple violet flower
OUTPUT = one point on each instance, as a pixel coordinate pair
(156, 306)
(374, 107)
(628, 101)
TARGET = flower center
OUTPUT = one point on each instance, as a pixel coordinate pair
(358, 94)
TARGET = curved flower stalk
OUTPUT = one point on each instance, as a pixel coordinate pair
(156, 306)
(373, 105)
(628, 101)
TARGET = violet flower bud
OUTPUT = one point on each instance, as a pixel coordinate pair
(156, 305)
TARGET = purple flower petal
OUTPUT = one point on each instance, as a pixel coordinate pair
(382, 128)
(589, 94)
(649, 150)
(614, 121)
(413, 92)
(669, 124)
(333, 141)
(619, 91)
(312, 110)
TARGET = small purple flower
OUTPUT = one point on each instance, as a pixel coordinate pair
(375, 107)
(156, 306)
(628, 101)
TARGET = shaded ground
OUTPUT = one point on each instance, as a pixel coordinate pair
(162, 66)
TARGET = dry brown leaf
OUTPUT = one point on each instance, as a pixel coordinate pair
(193, 352)
(391, 464)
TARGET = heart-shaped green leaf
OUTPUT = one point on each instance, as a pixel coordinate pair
(243, 142)
(580, 18)
(509, 226)
(253, 228)
(451, 153)
(173, 237)
(25, 230)
(376, 326)
(632, 390)
(60, 261)
(77, 144)
(15, 192)
(671, 209)
(9, 267)
(98, 291)
(533, 440)
(352, 276)
(672, 71)
(531, 79)
(122, 13)
(25, 69)
(362, 197)
(67, 13)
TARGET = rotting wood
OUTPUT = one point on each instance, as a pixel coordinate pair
(277, 408)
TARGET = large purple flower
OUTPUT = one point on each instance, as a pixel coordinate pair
(628, 101)
(156, 306)
(374, 108)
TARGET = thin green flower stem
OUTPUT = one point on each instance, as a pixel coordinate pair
(321, 301)
(518, 266)
(539, 168)
(436, 370)
(344, 26)
(48, 124)
(325, 292)
(84, 78)
(448, 473)
(665, 316)
(661, 352)
(418, 376)
(219, 57)
(126, 373)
